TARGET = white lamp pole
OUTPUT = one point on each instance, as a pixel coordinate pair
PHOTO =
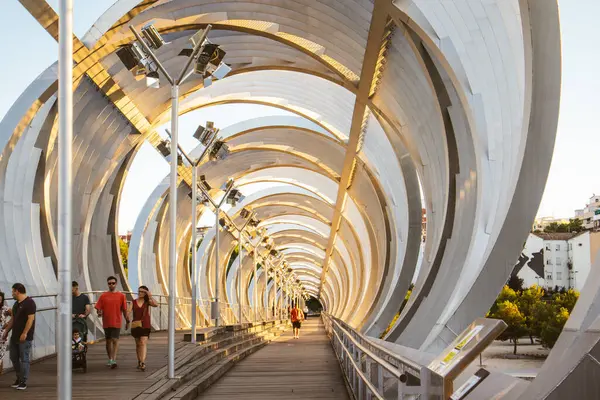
(173, 183)
(65, 195)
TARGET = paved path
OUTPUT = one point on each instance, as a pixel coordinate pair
(100, 382)
(305, 368)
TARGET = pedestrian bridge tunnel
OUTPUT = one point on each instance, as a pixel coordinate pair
(397, 112)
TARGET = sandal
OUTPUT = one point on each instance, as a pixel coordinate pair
(142, 367)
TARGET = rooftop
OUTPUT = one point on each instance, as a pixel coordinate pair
(558, 235)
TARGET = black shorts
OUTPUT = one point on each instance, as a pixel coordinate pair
(140, 332)
(112, 333)
(296, 324)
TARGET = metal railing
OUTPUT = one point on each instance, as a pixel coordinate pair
(44, 343)
(372, 371)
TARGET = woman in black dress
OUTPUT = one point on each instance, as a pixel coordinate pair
(141, 323)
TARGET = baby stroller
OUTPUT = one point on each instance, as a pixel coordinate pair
(79, 350)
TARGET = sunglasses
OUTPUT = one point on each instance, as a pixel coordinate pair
(112, 283)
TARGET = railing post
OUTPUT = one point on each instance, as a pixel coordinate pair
(380, 378)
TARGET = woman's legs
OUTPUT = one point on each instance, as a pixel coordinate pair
(137, 350)
(143, 348)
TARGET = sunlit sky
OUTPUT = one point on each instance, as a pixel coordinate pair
(573, 176)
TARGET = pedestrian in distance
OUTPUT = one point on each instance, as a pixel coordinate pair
(141, 323)
(112, 307)
(297, 316)
(22, 325)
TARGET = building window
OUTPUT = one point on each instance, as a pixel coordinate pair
(570, 246)
(559, 275)
(549, 276)
(549, 261)
(558, 261)
(558, 247)
(548, 248)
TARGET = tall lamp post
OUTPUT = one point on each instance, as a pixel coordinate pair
(208, 63)
(240, 258)
(65, 195)
(208, 137)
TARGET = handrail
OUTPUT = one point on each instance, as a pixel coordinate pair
(389, 367)
(403, 360)
(371, 387)
(357, 355)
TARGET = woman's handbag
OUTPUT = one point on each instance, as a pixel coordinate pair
(138, 324)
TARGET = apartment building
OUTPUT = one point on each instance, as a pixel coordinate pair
(590, 215)
(558, 259)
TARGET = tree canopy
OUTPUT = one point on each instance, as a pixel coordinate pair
(532, 312)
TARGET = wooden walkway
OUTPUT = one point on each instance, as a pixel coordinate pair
(100, 382)
(304, 368)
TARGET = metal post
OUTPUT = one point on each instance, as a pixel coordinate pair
(275, 304)
(215, 307)
(65, 194)
(266, 301)
(240, 258)
(255, 291)
(194, 241)
(172, 229)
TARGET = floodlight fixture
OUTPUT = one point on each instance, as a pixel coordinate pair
(210, 63)
(204, 200)
(221, 71)
(234, 196)
(245, 213)
(254, 222)
(219, 151)
(204, 183)
(152, 36)
(131, 55)
(164, 148)
(210, 55)
(206, 134)
(152, 80)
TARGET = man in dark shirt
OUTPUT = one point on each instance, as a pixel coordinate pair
(81, 309)
(22, 325)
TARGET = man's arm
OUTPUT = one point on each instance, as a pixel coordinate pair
(125, 314)
(28, 325)
(98, 306)
(88, 306)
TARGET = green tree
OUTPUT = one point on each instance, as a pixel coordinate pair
(567, 299)
(574, 225)
(510, 314)
(553, 326)
(549, 317)
(124, 248)
(507, 294)
(526, 302)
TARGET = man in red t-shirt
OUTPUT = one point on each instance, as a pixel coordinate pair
(297, 316)
(112, 306)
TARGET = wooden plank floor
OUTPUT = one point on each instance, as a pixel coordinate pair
(100, 382)
(305, 368)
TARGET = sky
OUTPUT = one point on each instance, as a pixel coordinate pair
(573, 175)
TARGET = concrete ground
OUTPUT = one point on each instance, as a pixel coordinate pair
(499, 357)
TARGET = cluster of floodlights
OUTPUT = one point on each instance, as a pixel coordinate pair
(234, 195)
(206, 135)
(208, 63)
